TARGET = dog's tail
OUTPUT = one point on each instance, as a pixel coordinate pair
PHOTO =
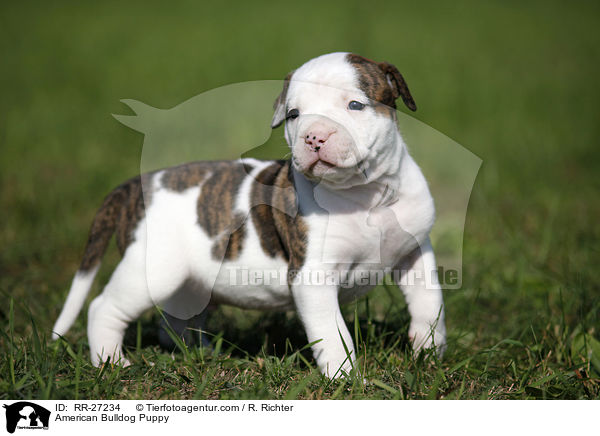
(114, 214)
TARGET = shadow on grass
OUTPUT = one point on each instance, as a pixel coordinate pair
(277, 334)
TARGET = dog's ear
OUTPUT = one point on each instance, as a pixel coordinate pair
(398, 84)
(279, 105)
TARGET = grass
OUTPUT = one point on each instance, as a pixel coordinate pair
(514, 83)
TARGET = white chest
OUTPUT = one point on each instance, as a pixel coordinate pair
(378, 236)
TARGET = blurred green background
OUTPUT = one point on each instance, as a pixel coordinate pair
(514, 82)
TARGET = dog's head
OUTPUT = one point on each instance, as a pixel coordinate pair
(340, 117)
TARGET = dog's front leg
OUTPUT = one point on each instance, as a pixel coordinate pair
(424, 298)
(320, 313)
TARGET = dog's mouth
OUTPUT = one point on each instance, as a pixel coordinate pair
(320, 167)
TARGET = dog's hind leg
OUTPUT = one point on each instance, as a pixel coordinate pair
(123, 300)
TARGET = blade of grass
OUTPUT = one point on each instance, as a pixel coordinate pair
(11, 355)
(295, 391)
(386, 387)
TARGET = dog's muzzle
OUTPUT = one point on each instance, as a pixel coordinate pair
(323, 147)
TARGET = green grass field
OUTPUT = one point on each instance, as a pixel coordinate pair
(515, 83)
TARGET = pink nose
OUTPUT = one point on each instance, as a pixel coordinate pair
(317, 136)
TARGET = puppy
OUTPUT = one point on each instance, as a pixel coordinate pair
(349, 202)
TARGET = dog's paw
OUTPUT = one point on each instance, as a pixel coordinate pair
(335, 368)
(425, 337)
(112, 359)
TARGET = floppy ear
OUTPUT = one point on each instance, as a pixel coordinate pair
(399, 86)
(279, 105)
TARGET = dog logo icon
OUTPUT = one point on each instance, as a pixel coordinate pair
(26, 415)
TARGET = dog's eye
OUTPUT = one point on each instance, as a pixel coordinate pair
(292, 114)
(355, 105)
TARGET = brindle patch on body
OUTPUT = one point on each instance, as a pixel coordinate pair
(121, 212)
(262, 213)
(276, 217)
(216, 201)
(124, 208)
(220, 183)
(192, 174)
(248, 167)
(382, 83)
(230, 244)
(185, 176)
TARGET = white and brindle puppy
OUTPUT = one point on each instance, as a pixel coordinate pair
(362, 204)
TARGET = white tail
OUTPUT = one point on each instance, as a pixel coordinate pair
(82, 283)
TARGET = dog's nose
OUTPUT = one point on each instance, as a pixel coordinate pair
(317, 136)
